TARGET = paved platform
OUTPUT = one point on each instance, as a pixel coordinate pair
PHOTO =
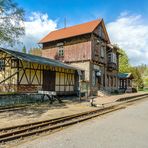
(114, 98)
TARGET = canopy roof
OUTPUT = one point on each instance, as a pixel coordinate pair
(36, 59)
(125, 76)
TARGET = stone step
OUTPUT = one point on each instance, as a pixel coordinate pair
(102, 93)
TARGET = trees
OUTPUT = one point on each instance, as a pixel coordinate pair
(11, 22)
(35, 51)
(124, 66)
(138, 81)
(24, 49)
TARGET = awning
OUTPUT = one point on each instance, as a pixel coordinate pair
(37, 59)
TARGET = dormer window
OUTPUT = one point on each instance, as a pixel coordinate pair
(2, 65)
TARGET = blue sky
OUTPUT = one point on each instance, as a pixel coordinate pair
(126, 21)
(77, 11)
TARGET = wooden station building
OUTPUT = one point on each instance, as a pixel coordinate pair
(88, 47)
(20, 72)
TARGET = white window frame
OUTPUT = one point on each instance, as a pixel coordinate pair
(61, 51)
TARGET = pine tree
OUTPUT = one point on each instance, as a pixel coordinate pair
(24, 49)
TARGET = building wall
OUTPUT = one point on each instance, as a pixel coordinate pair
(32, 80)
(84, 66)
(74, 52)
(10, 84)
(30, 77)
(111, 85)
(85, 52)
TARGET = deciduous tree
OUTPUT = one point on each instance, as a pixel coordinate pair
(124, 65)
(11, 22)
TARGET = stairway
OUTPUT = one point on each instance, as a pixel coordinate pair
(102, 93)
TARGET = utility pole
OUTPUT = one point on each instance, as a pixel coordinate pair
(65, 22)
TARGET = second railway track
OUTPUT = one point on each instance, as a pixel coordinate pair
(21, 131)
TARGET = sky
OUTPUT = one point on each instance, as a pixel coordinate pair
(126, 21)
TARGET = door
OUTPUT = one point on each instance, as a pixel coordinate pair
(48, 80)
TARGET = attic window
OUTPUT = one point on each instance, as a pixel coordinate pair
(101, 32)
(61, 51)
(2, 65)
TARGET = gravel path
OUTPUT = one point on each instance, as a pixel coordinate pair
(126, 128)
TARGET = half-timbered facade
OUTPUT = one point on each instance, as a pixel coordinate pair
(86, 46)
(20, 72)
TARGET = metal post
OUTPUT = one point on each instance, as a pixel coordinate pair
(80, 88)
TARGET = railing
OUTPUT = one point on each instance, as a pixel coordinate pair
(112, 66)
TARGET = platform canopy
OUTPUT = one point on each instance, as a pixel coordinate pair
(125, 76)
(37, 59)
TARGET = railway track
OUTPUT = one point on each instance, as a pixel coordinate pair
(21, 131)
(12, 108)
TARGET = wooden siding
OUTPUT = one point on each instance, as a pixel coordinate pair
(74, 52)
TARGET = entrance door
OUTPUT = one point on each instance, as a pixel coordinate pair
(48, 80)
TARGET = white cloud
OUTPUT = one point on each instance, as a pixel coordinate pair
(36, 27)
(130, 32)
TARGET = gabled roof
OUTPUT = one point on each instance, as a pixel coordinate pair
(125, 75)
(72, 31)
(36, 59)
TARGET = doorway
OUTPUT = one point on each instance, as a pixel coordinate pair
(49, 80)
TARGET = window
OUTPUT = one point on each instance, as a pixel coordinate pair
(108, 80)
(61, 51)
(2, 65)
(109, 57)
(102, 52)
(14, 63)
(112, 57)
(111, 78)
(101, 33)
(115, 81)
(93, 78)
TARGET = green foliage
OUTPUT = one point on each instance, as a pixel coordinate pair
(138, 81)
(24, 49)
(143, 69)
(124, 66)
(11, 22)
(145, 79)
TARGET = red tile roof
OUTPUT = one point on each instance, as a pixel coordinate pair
(71, 31)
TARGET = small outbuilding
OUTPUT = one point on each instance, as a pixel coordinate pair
(125, 82)
(21, 72)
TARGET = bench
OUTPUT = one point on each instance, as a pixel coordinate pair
(52, 96)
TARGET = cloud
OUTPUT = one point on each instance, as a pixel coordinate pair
(36, 27)
(130, 32)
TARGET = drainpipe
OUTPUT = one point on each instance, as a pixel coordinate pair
(80, 88)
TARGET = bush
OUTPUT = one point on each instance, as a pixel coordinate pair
(134, 90)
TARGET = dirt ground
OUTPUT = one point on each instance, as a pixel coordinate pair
(44, 111)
